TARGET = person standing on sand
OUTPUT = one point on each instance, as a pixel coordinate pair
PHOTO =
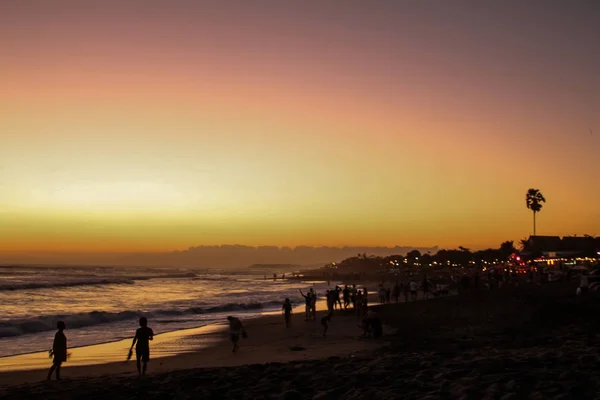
(287, 312)
(313, 304)
(59, 350)
(330, 300)
(325, 322)
(308, 301)
(346, 294)
(353, 295)
(405, 290)
(359, 302)
(425, 288)
(381, 294)
(396, 292)
(413, 290)
(388, 294)
(337, 297)
(235, 328)
(143, 335)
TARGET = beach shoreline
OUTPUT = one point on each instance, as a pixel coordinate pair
(517, 342)
(203, 347)
(191, 340)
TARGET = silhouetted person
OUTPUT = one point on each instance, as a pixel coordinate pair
(372, 325)
(308, 301)
(353, 294)
(413, 290)
(376, 326)
(425, 288)
(235, 329)
(346, 295)
(287, 312)
(359, 303)
(388, 295)
(330, 296)
(381, 293)
(405, 289)
(59, 350)
(325, 322)
(313, 303)
(141, 341)
(336, 297)
(396, 292)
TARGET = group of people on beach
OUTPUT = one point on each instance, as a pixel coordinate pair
(359, 299)
(410, 291)
(141, 341)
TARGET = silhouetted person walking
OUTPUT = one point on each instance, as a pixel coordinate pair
(235, 328)
(59, 350)
(287, 312)
(337, 297)
(346, 294)
(143, 335)
(325, 323)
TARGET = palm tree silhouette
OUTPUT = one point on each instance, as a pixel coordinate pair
(534, 200)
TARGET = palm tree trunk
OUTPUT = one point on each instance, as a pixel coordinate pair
(534, 223)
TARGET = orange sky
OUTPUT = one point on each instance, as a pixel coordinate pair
(162, 126)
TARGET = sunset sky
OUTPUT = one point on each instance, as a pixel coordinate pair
(160, 125)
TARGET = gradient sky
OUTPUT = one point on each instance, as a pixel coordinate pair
(157, 125)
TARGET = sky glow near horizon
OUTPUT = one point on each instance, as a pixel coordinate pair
(162, 125)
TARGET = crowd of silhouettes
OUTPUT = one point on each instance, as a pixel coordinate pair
(144, 334)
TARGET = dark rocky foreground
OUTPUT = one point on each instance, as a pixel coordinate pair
(518, 343)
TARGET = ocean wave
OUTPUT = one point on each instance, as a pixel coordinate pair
(95, 280)
(48, 323)
(46, 285)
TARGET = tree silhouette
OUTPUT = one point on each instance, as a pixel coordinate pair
(506, 249)
(523, 243)
(534, 200)
(413, 254)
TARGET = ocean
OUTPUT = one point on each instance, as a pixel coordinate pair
(103, 304)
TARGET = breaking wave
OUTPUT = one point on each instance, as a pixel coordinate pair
(127, 280)
(19, 327)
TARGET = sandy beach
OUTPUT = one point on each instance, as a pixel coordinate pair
(515, 343)
(269, 341)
